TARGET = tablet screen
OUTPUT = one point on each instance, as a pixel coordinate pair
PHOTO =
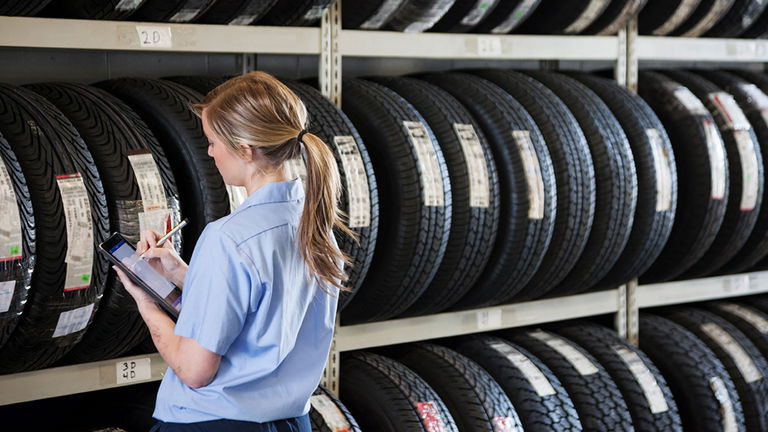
(126, 254)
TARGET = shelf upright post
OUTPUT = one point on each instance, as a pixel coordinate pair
(620, 318)
(330, 55)
(626, 61)
(633, 314)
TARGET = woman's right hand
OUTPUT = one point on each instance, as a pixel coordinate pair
(164, 259)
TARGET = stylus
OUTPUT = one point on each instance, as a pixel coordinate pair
(173, 231)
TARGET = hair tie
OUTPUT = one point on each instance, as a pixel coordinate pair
(300, 136)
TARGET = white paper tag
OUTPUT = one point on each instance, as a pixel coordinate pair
(237, 194)
(489, 46)
(149, 180)
(748, 315)
(689, 100)
(382, 15)
(533, 374)
(478, 12)
(296, 169)
(590, 13)
(727, 412)
(716, 150)
(73, 321)
(130, 371)
(10, 221)
(155, 220)
(532, 171)
(429, 166)
(663, 171)
(575, 357)
(521, 12)
(77, 214)
(477, 170)
(750, 183)
(128, 5)
(730, 111)
(334, 418)
(154, 36)
(759, 98)
(489, 319)
(7, 288)
(653, 393)
(743, 361)
(358, 190)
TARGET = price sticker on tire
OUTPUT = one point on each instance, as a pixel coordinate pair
(130, 371)
(154, 36)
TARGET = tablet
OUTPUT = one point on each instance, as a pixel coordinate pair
(123, 255)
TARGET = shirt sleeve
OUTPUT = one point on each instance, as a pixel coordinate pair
(217, 291)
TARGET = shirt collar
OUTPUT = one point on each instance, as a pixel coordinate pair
(291, 190)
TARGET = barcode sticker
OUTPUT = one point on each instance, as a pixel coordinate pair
(750, 181)
(7, 288)
(130, 371)
(477, 170)
(533, 374)
(575, 357)
(149, 180)
(10, 221)
(429, 165)
(430, 417)
(730, 111)
(727, 412)
(73, 321)
(516, 17)
(743, 361)
(382, 15)
(237, 194)
(653, 393)
(663, 170)
(77, 215)
(590, 13)
(532, 171)
(716, 150)
(154, 36)
(358, 189)
(478, 12)
(689, 100)
(755, 319)
(332, 415)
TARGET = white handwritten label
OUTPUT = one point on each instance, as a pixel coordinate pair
(663, 170)
(727, 412)
(653, 393)
(689, 100)
(332, 415)
(533, 374)
(358, 189)
(7, 288)
(237, 194)
(756, 319)
(10, 221)
(130, 371)
(730, 111)
(489, 46)
(77, 215)
(743, 361)
(429, 165)
(73, 321)
(532, 171)
(516, 17)
(489, 319)
(750, 181)
(154, 36)
(575, 357)
(716, 150)
(477, 170)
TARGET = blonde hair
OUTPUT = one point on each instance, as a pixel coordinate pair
(258, 111)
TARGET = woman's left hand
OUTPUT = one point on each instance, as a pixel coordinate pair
(141, 297)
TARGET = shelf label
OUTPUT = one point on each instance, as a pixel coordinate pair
(358, 189)
(488, 319)
(154, 36)
(727, 412)
(737, 284)
(533, 374)
(716, 150)
(477, 170)
(580, 362)
(752, 317)
(532, 171)
(332, 415)
(653, 394)
(488, 46)
(130, 371)
(743, 361)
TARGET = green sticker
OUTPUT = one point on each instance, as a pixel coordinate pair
(15, 250)
(86, 277)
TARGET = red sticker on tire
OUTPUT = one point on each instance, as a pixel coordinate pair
(430, 416)
(503, 424)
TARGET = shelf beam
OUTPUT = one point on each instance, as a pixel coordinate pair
(677, 49)
(690, 291)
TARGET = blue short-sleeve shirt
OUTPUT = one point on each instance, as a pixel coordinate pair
(248, 297)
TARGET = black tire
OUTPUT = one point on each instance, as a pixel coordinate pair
(368, 14)
(332, 125)
(574, 177)
(749, 320)
(537, 395)
(22, 7)
(476, 402)
(615, 182)
(615, 17)
(743, 361)
(328, 414)
(473, 225)
(662, 17)
(92, 9)
(295, 12)
(752, 101)
(200, 84)
(464, 16)
(556, 17)
(641, 384)
(112, 132)
(416, 16)
(46, 146)
(702, 167)
(656, 179)
(236, 12)
(177, 11)
(739, 18)
(383, 394)
(705, 394)
(758, 29)
(414, 201)
(596, 397)
(507, 16)
(17, 243)
(745, 172)
(527, 212)
(164, 107)
(709, 13)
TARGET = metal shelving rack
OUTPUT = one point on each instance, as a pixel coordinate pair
(331, 43)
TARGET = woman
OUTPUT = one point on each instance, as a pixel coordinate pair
(259, 299)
